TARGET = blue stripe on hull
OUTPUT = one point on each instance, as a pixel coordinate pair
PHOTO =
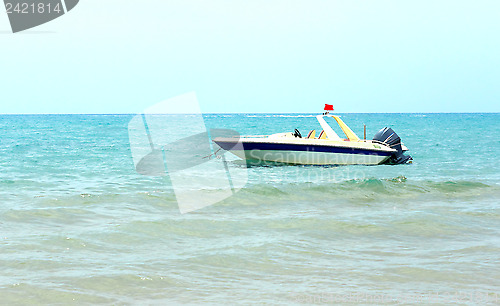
(299, 147)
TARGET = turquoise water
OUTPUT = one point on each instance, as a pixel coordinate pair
(79, 225)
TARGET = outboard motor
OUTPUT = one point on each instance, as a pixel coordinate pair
(388, 137)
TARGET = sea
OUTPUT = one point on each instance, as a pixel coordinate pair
(79, 225)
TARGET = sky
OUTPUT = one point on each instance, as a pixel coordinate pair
(123, 56)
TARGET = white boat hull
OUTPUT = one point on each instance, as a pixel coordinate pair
(308, 157)
(306, 151)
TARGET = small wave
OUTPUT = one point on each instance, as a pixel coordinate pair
(366, 190)
(372, 189)
(456, 187)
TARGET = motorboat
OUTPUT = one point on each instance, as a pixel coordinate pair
(323, 148)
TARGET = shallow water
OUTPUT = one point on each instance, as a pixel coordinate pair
(79, 225)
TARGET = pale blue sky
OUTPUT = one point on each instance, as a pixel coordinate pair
(117, 56)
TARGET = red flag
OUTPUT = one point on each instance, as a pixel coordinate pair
(328, 107)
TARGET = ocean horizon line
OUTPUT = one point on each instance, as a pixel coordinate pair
(233, 113)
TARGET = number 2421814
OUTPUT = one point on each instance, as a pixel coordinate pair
(33, 8)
